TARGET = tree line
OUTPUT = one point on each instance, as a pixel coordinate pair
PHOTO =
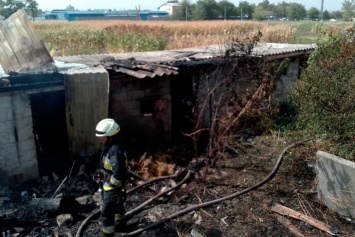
(224, 9)
(8, 7)
(212, 9)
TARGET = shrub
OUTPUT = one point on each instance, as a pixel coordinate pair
(324, 96)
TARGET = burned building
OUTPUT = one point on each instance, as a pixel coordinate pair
(49, 107)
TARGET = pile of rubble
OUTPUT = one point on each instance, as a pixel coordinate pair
(57, 206)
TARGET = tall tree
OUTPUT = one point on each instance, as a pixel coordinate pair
(326, 15)
(280, 10)
(296, 11)
(325, 93)
(260, 13)
(206, 10)
(70, 8)
(245, 8)
(313, 13)
(9, 7)
(227, 9)
(348, 9)
(336, 15)
(32, 8)
(184, 12)
(265, 4)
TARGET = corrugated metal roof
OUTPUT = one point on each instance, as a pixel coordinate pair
(84, 70)
(271, 49)
(84, 12)
(159, 63)
(188, 54)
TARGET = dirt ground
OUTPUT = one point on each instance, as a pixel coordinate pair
(294, 186)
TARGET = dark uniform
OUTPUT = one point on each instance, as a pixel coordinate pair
(114, 164)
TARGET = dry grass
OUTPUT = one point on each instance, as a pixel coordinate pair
(112, 36)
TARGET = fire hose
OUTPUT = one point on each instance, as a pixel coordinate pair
(97, 211)
(205, 204)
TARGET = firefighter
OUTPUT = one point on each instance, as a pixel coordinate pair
(113, 164)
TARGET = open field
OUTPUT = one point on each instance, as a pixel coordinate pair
(114, 36)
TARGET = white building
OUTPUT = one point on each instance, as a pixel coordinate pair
(170, 7)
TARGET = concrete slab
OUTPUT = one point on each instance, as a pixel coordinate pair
(336, 183)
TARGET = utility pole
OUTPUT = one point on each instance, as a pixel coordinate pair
(138, 12)
(186, 13)
(241, 13)
(321, 10)
(225, 12)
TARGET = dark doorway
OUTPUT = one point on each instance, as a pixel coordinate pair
(183, 103)
(50, 130)
(182, 119)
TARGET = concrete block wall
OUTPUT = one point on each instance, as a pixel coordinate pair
(125, 105)
(336, 183)
(18, 157)
(18, 151)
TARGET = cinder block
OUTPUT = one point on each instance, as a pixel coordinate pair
(5, 101)
(135, 95)
(24, 121)
(23, 112)
(118, 96)
(7, 138)
(8, 150)
(6, 127)
(336, 183)
(21, 99)
(25, 133)
(26, 146)
(5, 114)
(24, 128)
(28, 156)
(12, 164)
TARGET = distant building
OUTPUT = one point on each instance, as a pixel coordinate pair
(150, 15)
(84, 15)
(105, 15)
(170, 7)
(55, 14)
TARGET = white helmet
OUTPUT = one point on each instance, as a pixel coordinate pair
(107, 128)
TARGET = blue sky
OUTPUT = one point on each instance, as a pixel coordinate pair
(330, 5)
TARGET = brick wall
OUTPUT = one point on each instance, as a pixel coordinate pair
(127, 102)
